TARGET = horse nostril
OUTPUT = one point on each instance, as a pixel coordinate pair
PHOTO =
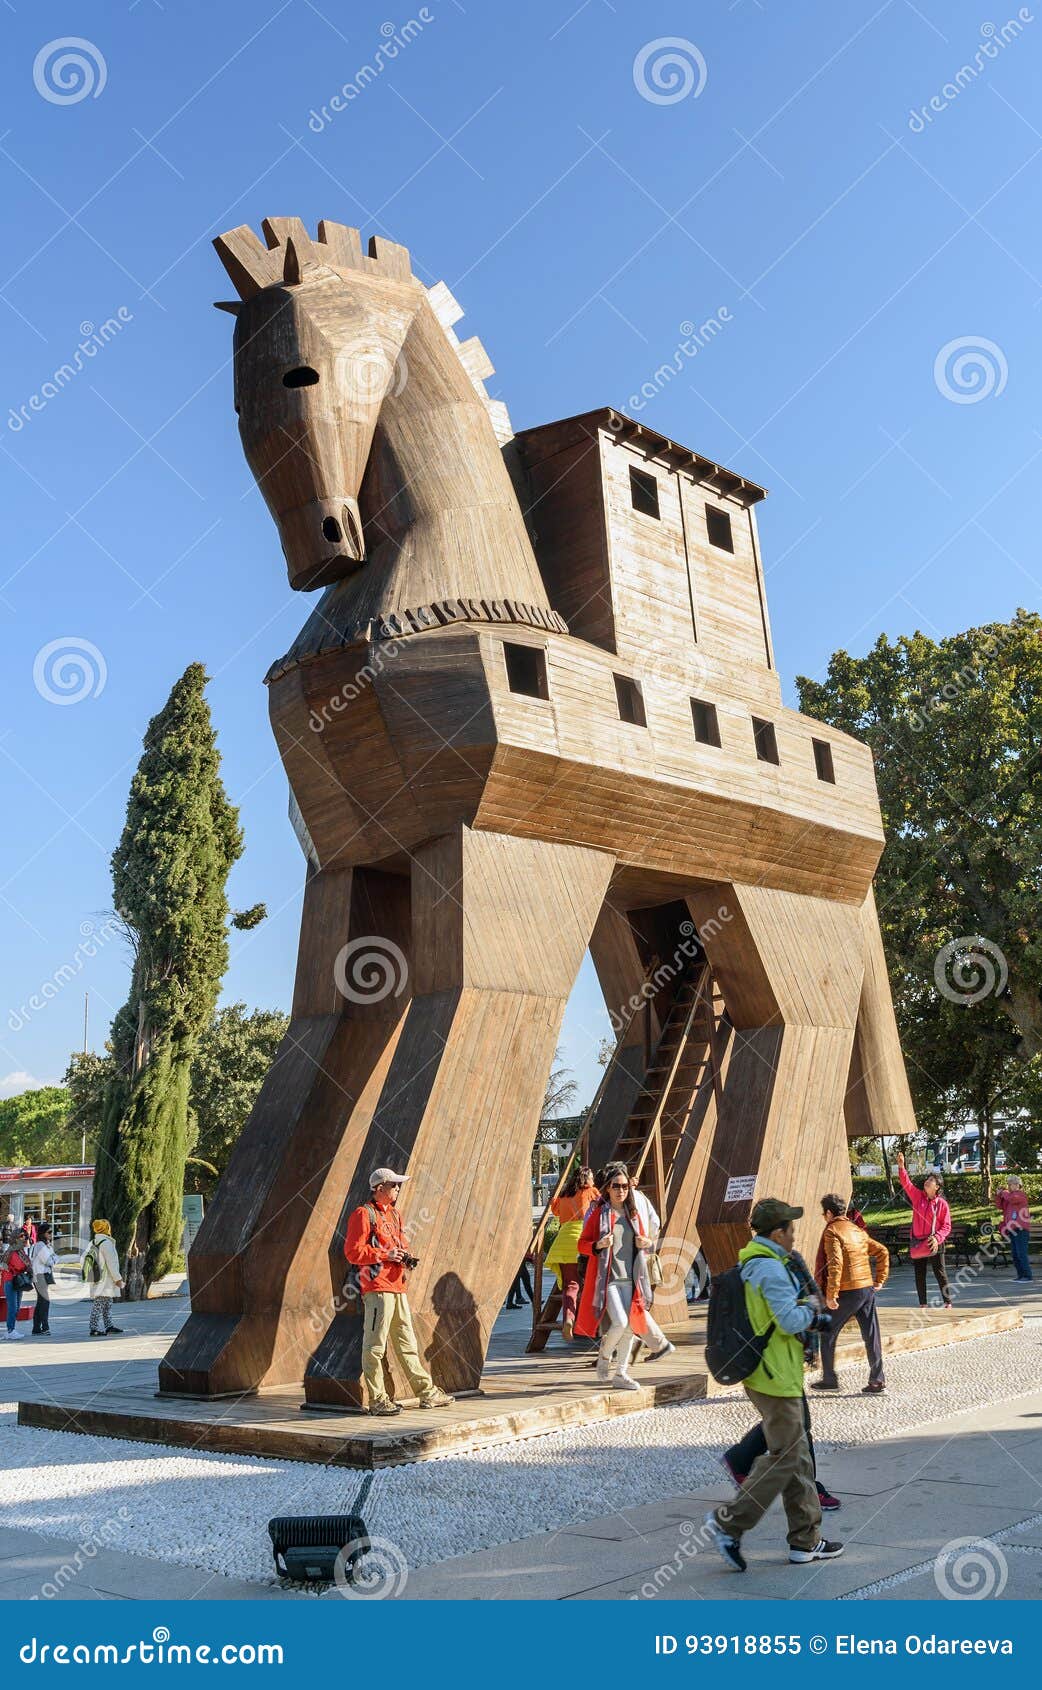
(331, 529)
(354, 532)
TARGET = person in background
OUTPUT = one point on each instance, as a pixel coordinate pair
(15, 1274)
(30, 1228)
(1012, 1199)
(931, 1224)
(377, 1246)
(740, 1457)
(102, 1257)
(616, 1238)
(779, 1309)
(42, 1259)
(520, 1291)
(563, 1255)
(856, 1268)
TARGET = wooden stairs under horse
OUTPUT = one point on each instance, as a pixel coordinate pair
(534, 712)
(658, 1137)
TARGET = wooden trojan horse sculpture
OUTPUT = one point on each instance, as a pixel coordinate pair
(535, 711)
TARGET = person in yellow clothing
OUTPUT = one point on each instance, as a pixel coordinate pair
(563, 1255)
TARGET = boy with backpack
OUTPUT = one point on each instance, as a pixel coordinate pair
(756, 1325)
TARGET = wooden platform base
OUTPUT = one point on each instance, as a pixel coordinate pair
(521, 1397)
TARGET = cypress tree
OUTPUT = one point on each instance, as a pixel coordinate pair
(169, 873)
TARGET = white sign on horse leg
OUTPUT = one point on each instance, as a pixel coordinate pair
(740, 1188)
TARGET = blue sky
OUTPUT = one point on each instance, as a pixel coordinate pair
(878, 274)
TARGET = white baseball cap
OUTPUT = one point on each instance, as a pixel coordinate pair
(385, 1176)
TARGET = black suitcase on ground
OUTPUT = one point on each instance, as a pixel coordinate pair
(306, 1547)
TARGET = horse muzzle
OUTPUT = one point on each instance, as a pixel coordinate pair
(323, 541)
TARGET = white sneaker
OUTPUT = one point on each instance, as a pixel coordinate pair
(605, 1370)
(623, 1382)
(17, 1334)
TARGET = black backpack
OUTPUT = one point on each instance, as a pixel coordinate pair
(733, 1349)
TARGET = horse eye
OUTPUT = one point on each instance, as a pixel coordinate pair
(304, 377)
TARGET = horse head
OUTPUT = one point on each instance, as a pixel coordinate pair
(318, 334)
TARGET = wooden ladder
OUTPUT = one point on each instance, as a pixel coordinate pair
(686, 1058)
(545, 1313)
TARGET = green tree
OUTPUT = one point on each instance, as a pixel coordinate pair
(232, 1057)
(955, 727)
(37, 1129)
(169, 873)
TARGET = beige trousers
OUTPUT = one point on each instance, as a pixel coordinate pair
(387, 1319)
(785, 1470)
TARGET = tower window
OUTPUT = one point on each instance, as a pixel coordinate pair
(630, 701)
(765, 740)
(707, 728)
(718, 528)
(644, 492)
(526, 669)
(823, 760)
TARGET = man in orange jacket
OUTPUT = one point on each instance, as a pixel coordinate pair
(376, 1244)
(856, 1267)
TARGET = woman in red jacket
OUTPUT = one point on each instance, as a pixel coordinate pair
(931, 1224)
(16, 1271)
(618, 1237)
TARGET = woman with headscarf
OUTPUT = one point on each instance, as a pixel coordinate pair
(616, 1238)
(101, 1270)
(563, 1255)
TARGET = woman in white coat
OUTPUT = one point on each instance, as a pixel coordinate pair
(102, 1258)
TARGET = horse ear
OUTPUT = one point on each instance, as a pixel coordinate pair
(291, 268)
(232, 305)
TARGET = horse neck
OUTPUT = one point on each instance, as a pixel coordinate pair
(437, 495)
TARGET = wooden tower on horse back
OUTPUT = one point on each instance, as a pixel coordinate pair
(534, 711)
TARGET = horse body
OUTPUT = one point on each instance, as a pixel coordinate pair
(474, 834)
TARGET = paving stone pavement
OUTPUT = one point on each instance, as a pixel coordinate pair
(975, 1474)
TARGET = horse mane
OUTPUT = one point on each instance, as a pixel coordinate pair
(291, 257)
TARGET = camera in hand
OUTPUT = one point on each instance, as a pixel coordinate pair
(413, 1262)
(822, 1321)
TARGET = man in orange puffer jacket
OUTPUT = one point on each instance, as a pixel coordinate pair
(856, 1267)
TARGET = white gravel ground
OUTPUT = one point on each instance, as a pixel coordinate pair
(211, 1511)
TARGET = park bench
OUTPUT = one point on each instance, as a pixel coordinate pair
(894, 1237)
